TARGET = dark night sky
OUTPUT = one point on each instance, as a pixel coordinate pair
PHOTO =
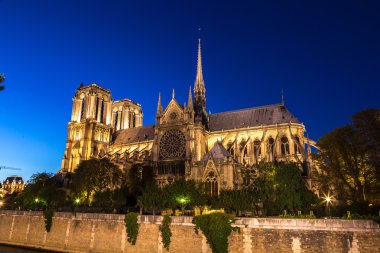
(324, 54)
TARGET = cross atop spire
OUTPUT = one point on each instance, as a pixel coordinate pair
(199, 83)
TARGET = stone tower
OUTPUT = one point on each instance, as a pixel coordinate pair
(89, 130)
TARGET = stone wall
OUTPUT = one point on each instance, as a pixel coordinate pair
(106, 233)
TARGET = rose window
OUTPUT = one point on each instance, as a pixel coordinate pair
(172, 144)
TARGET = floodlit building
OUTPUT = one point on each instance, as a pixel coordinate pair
(185, 140)
(12, 184)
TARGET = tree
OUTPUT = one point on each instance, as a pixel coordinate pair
(236, 200)
(275, 187)
(290, 189)
(2, 79)
(94, 176)
(43, 189)
(153, 199)
(348, 160)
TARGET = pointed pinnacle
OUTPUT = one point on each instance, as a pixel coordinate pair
(190, 99)
(199, 83)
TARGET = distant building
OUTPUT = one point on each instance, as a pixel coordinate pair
(13, 184)
(185, 140)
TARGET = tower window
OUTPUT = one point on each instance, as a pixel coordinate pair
(102, 112)
(115, 120)
(82, 110)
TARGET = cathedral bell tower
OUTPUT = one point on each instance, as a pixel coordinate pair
(200, 93)
(89, 130)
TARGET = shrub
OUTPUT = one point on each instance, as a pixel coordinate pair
(132, 227)
(48, 218)
(166, 233)
(216, 227)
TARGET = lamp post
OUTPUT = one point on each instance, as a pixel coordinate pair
(36, 200)
(77, 201)
(328, 200)
(183, 200)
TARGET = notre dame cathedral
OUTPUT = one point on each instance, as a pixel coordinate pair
(185, 140)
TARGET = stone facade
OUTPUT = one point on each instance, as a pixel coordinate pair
(185, 140)
(12, 184)
(106, 233)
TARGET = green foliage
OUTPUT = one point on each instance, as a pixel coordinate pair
(238, 200)
(111, 199)
(291, 191)
(153, 199)
(217, 228)
(166, 233)
(269, 188)
(94, 176)
(2, 78)
(298, 216)
(190, 191)
(46, 188)
(132, 227)
(48, 218)
(349, 158)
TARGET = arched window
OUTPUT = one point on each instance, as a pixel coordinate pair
(271, 146)
(102, 112)
(284, 146)
(115, 120)
(245, 155)
(256, 149)
(297, 145)
(211, 184)
(230, 148)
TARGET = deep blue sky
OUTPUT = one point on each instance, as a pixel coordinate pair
(324, 54)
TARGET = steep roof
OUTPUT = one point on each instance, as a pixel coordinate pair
(217, 152)
(131, 135)
(250, 117)
(14, 178)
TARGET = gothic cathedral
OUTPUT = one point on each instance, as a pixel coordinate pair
(185, 140)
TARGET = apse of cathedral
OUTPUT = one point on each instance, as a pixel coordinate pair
(185, 141)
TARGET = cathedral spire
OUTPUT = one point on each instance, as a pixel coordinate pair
(159, 106)
(199, 93)
(190, 100)
(173, 94)
(199, 85)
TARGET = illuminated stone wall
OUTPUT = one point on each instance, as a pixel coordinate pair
(106, 233)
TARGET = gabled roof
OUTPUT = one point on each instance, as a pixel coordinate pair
(14, 178)
(217, 152)
(250, 117)
(131, 135)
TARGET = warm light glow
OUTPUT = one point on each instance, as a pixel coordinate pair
(77, 201)
(1, 203)
(36, 200)
(328, 199)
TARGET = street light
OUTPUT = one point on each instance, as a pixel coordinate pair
(36, 200)
(328, 199)
(183, 200)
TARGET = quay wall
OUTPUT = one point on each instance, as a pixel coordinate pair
(106, 233)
